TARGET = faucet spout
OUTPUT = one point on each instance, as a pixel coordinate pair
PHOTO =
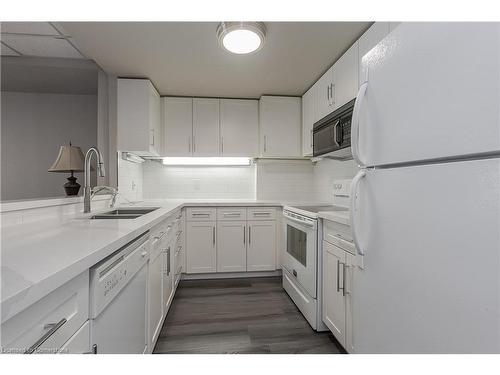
(87, 190)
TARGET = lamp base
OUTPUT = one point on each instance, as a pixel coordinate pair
(72, 187)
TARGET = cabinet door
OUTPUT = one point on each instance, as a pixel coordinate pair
(79, 343)
(201, 245)
(261, 251)
(178, 125)
(346, 77)
(324, 97)
(333, 299)
(155, 144)
(350, 262)
(367, 41)
(279, 120)
(231, 246)
(205, 127)
(239, 127)
(307, 122)
(167, 276)
(155, 298)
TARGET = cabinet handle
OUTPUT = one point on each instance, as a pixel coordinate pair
(194, 144)
(249, 234)
(312, 138)
(222, 145)
(168, 261)
(244, 234)
(338, 275)
(261, 214)
(93, 351)
(152, 131)
(53, 328)
(200, 214)
(265, 143)
(213, 235)
(328, 93)
(189, 144)
(333, 94)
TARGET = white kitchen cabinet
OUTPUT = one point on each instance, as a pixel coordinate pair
(155, 296)
(138, 117)
(279, 121)
(307, 122)
(231, 246)
(345, 86)
(239, 127)
(178, 126)
(334, 314)
(368, 40)
(167, 281)
(206, 127)
(324, 98)
(201, 247)
(261, 248)
(79, 343)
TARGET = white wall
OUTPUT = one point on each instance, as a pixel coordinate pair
(285, 180)
(34, 126)
(168, 182)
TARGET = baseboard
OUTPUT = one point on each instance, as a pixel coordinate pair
(229, 275)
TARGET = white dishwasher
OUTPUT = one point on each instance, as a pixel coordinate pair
(118, 300)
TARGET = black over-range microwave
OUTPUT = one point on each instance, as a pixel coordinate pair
(332, 134)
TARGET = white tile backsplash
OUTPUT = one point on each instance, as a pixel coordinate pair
(325, 172)
(191, 182)
(286, 180)
(130, 180)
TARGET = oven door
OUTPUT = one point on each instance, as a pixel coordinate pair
(300, 258)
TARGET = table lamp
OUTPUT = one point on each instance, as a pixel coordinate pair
(69, 160)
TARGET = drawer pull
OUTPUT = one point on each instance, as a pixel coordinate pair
(261, 214)
(53, 328)
(232, 214)
(201, 214)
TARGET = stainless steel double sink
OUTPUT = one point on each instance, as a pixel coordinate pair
(125, 213)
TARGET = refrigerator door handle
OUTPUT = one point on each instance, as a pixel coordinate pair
(355, 124)
(352, 210)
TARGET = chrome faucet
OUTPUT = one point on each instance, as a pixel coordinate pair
(87, 190)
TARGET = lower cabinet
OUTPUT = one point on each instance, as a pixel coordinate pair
(79, 343)
(337, 275)
(155, 293)
(201, 247)
(261, 250)
(231, 246)
(167, 283)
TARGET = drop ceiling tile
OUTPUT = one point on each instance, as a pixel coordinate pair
(39, 28)
(6, 51)
(42, 46)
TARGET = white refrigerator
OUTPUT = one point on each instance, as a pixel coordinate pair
(425, 205)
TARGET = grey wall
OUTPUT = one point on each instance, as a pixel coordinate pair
(33, 127)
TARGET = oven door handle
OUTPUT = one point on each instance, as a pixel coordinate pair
(308, 224)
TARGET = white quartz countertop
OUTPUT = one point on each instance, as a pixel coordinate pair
(337, 216)
(38, 257)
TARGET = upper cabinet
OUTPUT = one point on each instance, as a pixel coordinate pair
(368, 40)
(205, 127)
(138, 117)
(307, 122)
(178, 126)
(345, 82)
(239, 127)
(280, 119)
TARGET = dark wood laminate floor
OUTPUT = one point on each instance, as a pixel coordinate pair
(251, 315)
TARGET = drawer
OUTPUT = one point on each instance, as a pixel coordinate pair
(333, 232)
(79, 343)
(261, 213)
(55, 318)
(231, 213)
(200, 214)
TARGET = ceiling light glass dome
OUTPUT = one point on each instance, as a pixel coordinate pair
(241, 37)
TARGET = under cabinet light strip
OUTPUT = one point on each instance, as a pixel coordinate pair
(222, 161)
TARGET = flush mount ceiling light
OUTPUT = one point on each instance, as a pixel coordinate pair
(241, 37)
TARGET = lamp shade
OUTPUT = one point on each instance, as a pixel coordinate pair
(70, 159)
